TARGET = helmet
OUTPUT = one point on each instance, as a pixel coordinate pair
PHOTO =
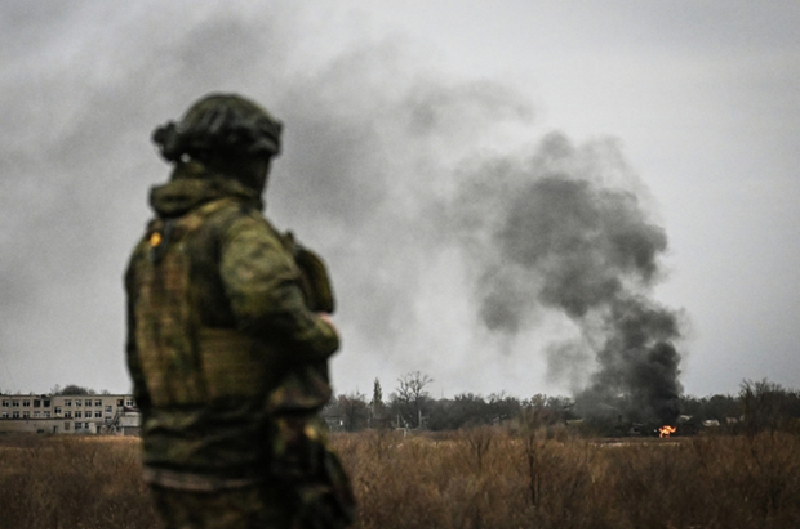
(220, 124)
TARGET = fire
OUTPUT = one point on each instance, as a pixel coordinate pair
(666, 430)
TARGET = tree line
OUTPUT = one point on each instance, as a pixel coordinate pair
(759, 405)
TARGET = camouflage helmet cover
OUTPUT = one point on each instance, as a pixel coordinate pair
(220, 123)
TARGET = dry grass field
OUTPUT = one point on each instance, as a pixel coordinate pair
(480, 478)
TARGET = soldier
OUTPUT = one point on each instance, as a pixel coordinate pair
(229, 336)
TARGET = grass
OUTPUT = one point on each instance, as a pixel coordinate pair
(479, 478)
(71, 482)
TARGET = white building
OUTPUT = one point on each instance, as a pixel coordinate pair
(66, 414)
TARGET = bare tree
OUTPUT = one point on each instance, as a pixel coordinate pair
(411, 396)
(762, 403)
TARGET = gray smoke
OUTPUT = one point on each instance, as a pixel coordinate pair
(369, 141)
(399, 176)
(554, 234)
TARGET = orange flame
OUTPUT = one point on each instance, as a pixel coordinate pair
(666, 430)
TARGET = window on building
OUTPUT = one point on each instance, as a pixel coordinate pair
(98, 403)
(129, 402)
(6, 403)
(77, 402)
(66, 425)
(58, 410)
(37, 403)
(68, 403)
(26, 403)
(98, 414)
(37, 414)
(46, 404)
(68, 414)
(47, 414)
(108, 408)
(78, 425)
(15, 404)
(108, 420)
(88, 403)
(16, 415)
(77, 414)
(5, 415)
(26, 414)
(120, 402)
(86, 426)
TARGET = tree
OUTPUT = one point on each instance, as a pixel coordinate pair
(377, 409)
(74, 389)
(377, 393)
(411, 396)
(764, 406)
(463, 410)
(353, 411)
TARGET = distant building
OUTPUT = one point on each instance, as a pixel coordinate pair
(68, 414)
(129, 422)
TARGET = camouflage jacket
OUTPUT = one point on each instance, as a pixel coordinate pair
(252, 348)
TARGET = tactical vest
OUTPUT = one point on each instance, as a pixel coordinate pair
(184, 363)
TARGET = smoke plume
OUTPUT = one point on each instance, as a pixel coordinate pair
(556, 233)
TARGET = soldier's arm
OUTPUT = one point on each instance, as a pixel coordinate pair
(262, 282)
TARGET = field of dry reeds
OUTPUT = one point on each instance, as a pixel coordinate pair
(480, 478)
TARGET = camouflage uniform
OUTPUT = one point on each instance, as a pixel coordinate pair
(226, 350)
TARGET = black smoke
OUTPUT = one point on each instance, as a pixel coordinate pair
(560, 235)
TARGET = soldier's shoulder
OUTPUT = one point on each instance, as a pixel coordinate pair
(235, 219)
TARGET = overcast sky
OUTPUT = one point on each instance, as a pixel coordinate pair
(411, 130)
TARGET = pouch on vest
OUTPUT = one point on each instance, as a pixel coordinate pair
(314, 279)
